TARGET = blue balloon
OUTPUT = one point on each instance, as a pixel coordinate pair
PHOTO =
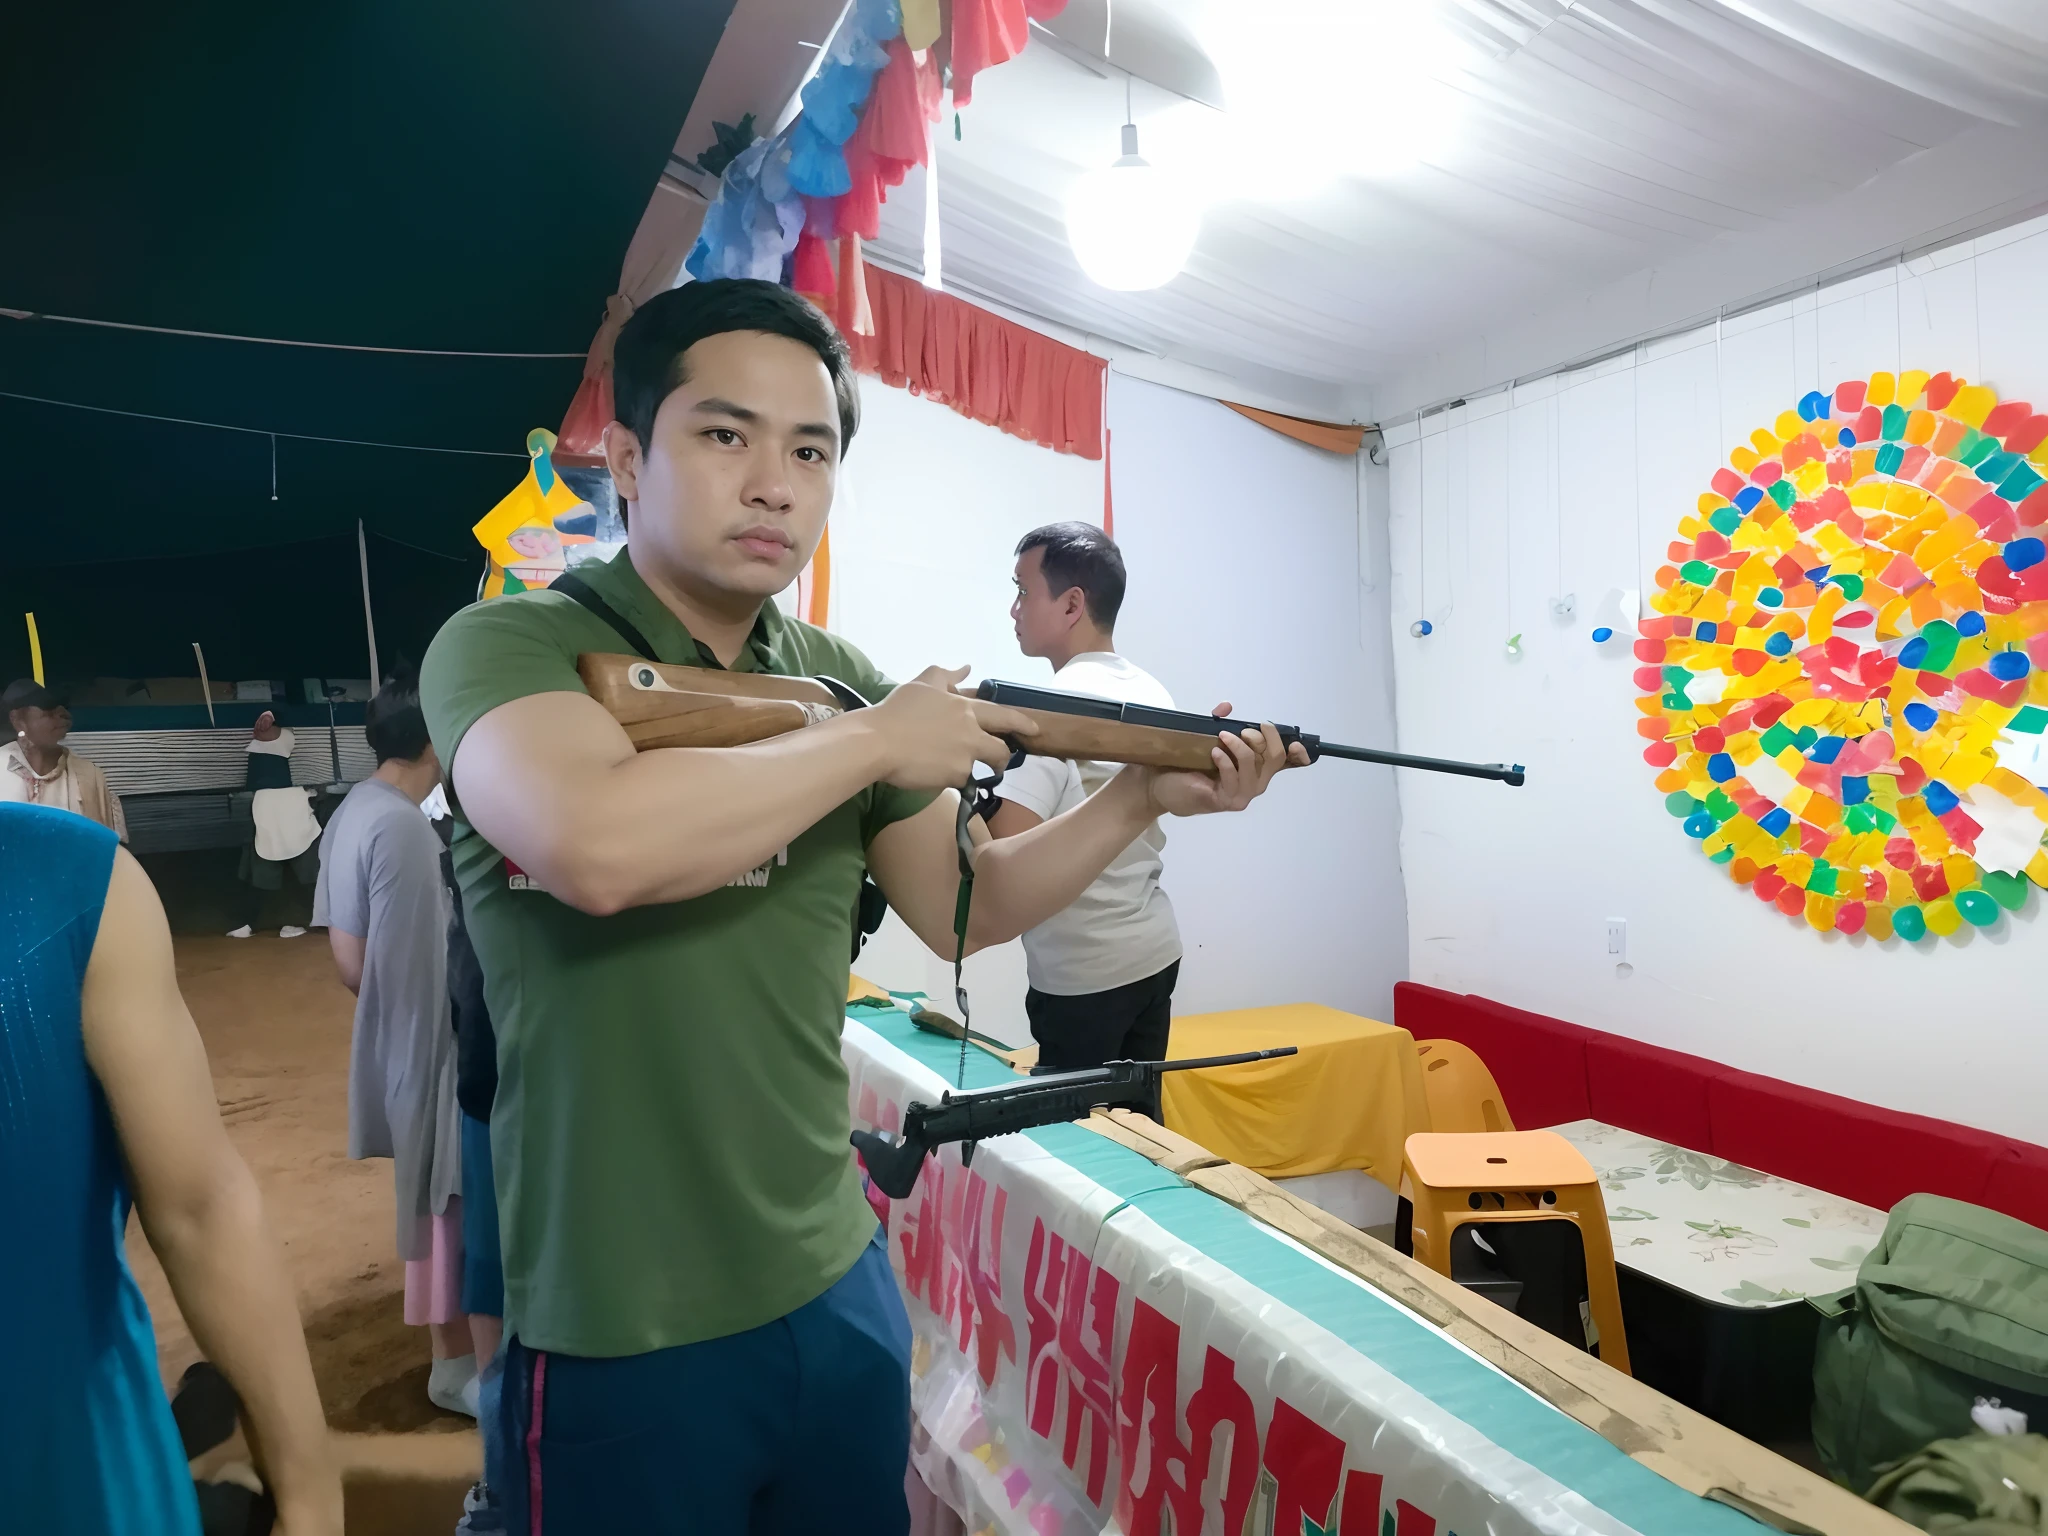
(1779, 644)
(1855, 789)
(1913, 652)
(1846, 438)
(1706, 629)
(1770, 597)
(2020, 554)
(2009, 666)
(1700, 824)
(1748, 497)
(817, 166)
(1602, 633)
(1720, 767)
(1777, 821)
(1969, 624)
(1921, 716)
(1940, 798)
(1828, 748)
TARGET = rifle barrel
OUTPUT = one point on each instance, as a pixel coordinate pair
(1505, 773)
(1224, 1061)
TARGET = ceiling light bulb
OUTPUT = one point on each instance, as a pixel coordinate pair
(1131, 224)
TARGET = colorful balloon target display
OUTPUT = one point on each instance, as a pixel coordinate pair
(1845, 686)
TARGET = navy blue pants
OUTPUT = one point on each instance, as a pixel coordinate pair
(796, 1427)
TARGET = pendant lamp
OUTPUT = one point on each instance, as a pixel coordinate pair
(1131, 225)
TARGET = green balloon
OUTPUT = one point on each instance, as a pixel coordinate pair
(1942, 640)
(1698, 572)
(1725, 519)
(1851, 585)
(1680, 804)
(1723, 857)
(2009, 891)
(1977, 908)
(1909, 925)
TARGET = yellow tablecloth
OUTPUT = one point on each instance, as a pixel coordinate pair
(1349, 1100)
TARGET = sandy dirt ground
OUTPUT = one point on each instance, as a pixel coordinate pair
(276, 1024)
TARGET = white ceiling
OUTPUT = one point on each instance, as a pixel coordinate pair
(1613, 166)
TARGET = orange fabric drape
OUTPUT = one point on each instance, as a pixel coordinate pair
(590, 412)
(818, 600)
(983, 366)
(1327, 435)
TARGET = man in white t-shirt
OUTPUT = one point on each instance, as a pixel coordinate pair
(1102, 971)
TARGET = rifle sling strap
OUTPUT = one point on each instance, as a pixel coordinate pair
(570, 585)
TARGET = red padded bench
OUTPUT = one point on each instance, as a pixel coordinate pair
(1550, 1072)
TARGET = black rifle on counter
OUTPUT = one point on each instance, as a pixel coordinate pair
(1051, 1098)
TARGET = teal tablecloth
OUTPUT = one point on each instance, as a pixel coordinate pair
(1381, 1329)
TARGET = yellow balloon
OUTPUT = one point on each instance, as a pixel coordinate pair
(1942, 917)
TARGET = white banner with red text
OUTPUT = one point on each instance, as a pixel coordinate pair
(1079, 1369)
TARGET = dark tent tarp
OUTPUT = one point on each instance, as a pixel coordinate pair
(409, 174)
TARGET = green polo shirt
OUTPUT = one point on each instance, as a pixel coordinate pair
(669, 1135)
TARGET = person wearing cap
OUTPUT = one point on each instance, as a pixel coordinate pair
(37, 768)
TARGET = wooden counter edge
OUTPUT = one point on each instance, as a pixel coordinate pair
(1684, 1447)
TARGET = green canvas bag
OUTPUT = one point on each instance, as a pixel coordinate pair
(1981, 1485)
(1951, 1306)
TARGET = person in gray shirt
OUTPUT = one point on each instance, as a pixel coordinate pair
(385, 909)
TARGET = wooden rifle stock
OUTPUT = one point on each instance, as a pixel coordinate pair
(663, 705)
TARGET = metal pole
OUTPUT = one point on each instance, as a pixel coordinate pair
(369, 623)
(205, 686)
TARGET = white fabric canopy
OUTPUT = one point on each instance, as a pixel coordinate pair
(1594, 139)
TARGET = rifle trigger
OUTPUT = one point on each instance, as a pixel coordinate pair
(849, 698)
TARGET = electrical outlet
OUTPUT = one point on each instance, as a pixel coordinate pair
(1617, 937)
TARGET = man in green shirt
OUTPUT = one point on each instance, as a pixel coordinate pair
(703, 1330)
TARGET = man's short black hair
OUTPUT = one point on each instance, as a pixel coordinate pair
(1081, 555)
(393, 722)
(647, 363)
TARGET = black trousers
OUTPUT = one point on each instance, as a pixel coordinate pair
(1127, 1023)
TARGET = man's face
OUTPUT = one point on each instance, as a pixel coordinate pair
(41, 728)
(1041, 617)
(731, 494)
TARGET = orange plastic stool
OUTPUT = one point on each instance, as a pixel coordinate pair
(1452, 1181)
(1461, 1094)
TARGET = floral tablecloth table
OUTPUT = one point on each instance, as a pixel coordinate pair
(1720, 1231)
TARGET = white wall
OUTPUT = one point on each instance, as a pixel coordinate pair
(1245, 585)
(1576, 485)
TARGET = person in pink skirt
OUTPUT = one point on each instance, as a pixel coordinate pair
(381, 899)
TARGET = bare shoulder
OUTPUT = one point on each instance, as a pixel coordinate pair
(133, 930)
